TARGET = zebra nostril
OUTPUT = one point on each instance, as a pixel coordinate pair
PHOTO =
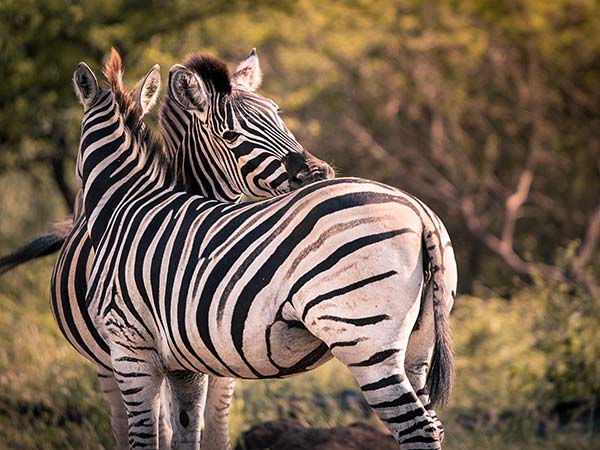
(295, 182)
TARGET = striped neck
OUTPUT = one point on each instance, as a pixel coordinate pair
(117, 157)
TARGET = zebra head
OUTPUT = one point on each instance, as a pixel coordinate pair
(227, 139)
(113, 118)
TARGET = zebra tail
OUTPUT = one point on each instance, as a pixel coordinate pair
(441, 371)
(42, 245)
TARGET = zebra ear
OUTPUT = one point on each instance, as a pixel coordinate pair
(147, 90)
(187, 89)
(86, 85)
(248, 74)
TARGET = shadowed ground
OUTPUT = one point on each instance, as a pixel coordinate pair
(291, 435)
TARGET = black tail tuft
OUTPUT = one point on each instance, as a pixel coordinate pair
(441, 372)
(45, 244)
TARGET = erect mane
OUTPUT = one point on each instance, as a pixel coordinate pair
(212, 71)
(131, 110)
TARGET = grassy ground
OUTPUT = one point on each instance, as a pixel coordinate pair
(49, 397)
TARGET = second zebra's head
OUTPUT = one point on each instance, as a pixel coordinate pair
(229, 140)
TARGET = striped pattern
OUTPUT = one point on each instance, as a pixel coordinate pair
(71, 273)
(184, 283)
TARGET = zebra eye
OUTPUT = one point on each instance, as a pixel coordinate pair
(231, 136)
(280, 111)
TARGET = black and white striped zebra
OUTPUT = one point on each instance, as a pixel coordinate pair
(346, 267)
(199, 162)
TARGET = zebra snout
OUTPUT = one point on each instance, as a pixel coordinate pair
(303, 168)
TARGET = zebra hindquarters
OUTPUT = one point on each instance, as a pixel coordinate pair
(367, 326)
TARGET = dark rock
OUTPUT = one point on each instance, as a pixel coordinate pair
(291, 435)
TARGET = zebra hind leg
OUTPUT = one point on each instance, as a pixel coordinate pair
(388, 391)
(375, 356)
(418, 357)
(118, 413)
(139, 381)
(216, 432)
(188, 396)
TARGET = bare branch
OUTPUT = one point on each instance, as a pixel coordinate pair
(590, 241)
(513, 205)
(368, 144)
(508, 255)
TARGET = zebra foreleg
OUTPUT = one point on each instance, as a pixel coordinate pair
(188, 396)
(118, 413)
(216, 432)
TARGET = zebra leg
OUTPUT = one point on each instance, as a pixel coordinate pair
(188, 395)
(216, 432)
(374, 349)
(140, 383)
(165, 432)
(388, 391)
(418, 357)
(118, 413)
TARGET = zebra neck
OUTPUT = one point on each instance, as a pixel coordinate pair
(202, 175)
(118, 183)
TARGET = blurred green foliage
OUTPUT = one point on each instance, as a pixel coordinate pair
(455, 101)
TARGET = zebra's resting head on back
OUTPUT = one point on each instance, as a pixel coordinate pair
(235, 134)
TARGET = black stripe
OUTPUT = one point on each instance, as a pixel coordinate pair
(407, 416)
(344, 290)
(345, 343)
(404, 399)
(421, 439)
(132, 391)
(422, 425)
(364, 321)
(376, 358)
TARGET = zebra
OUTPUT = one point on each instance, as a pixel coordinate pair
(345, 268)
(199, 162)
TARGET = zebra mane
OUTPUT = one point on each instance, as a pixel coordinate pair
(213, 71)
(132, 112)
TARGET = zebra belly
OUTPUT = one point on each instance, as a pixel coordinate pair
(68, 296)
(272, 347)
